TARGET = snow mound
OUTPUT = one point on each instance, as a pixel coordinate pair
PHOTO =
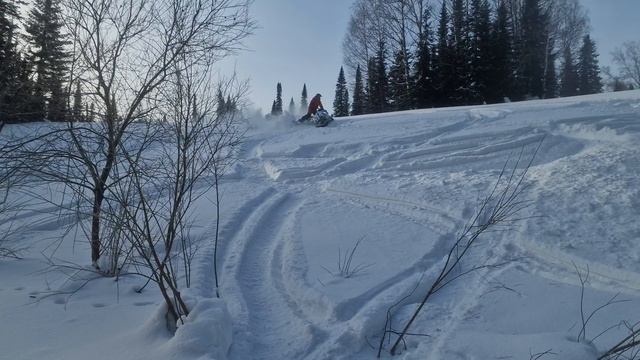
(205, 334)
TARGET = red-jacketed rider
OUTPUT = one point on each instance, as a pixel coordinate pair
(314, 105)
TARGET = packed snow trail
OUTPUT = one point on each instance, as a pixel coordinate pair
(272, 322)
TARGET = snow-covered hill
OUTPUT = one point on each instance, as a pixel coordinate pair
(400, 186)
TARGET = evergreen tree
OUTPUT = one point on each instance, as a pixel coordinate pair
(424, 82)
(399, 84)
(569, 85)
(292, 107)
(92, 113)
(358, 106)
(21, 105)
(442, 62)
(221, 104)
(589, 81)
(49, 58)
(9, 60)
(77, 104)
(372, 75)
(276, 109)
(551, 78)
(481, 50)
(341, 99)
(532, 50)
(304, 104)
(501, 73)
(379, 97)
(231, 105)
(460, 54)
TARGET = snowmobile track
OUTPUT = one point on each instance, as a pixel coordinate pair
(270, 320)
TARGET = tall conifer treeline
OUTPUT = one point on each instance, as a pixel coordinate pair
(33, 81)
(472, 52)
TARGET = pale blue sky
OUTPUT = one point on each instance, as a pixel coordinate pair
(300, 41)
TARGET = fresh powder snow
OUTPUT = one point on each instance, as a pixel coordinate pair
(324, 230)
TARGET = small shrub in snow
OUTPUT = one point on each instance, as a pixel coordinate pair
(346, 268)
(499, 209)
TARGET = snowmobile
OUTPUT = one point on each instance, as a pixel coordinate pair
(320, 119)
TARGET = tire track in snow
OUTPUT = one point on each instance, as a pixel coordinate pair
(559, 266)
(205, 271)
(271, 325)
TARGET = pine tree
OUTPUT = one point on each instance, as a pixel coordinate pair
(357, 108)
(231, 105)
(9, 60)
(49, 58)
(442, 61)
(92, 112)
(481, 50)
(551, 78)
(221, 104)
(569, 85)
(461, 53)
(424, 86)
(341, 99)
(21, 105)
(533, 50)
(379, 97)
(399, 84)
(276, 109)
(292, 107)
(77, 104)
(590, 81)
(501, 73)
(372, 75)
(304, 104)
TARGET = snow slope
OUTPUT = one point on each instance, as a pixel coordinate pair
(400, 185)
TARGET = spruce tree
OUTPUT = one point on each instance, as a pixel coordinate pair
(9, 61)
(423, 74)
(341, 99)
(49, 58)
(569, 85)
(481, 50)
(399, 85)
(372, 76)
(589, 81)
(277, 104)
(221, 106)
(532, 50)
(292, 107)
(92, 112)
(501, 74)
(77, 104)
(231, 105)
(357, 108)
(21, 106)
(304, 104)
(551, 78)
(461, 53)
(379, 100)
(442, 62)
